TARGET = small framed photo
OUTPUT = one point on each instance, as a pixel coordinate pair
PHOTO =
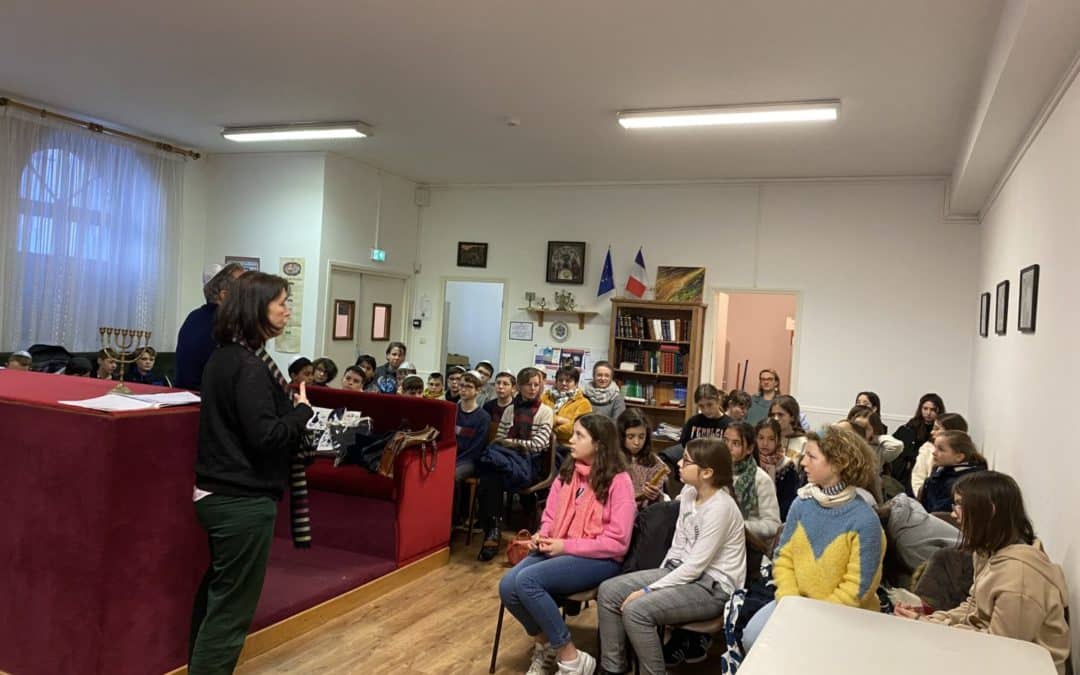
(521, 330)
(984, 314)
(1029, 299)
(472, 254)
(344, 319)
(1001, 308)
(249, 264)
(566, 262)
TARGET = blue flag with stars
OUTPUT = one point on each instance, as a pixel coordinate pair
(607, 277)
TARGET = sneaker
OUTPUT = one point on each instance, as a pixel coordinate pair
(543, 660)
(697, 647)
(584, 664)
(675, 651)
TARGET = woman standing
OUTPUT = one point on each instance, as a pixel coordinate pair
(249, 433)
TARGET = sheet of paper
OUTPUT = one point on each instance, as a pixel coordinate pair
(172, 398)
(111, 403)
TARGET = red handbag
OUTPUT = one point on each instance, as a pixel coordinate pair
(519, 547)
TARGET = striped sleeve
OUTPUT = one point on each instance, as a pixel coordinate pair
(505, 424)
(540, 439)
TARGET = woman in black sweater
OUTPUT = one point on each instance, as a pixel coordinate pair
(249, 434)
(913, 434)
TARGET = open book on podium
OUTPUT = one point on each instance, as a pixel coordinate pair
(127, 402)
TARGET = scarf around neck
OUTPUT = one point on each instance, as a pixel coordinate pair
(524, 414)
(830, 498)
(745, 489)
(771, 463)
(603, 396)
(578, 517)
(561, 398)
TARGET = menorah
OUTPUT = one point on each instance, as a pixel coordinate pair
(123, 346)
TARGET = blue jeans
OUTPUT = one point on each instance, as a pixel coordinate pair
(755, 625)
(527, 590)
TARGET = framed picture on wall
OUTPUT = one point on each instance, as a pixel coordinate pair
(984, 314)
(344, 319)
(1001, 308)
(566, 262)
(1029, 299)
(472, 254)
(249, 264)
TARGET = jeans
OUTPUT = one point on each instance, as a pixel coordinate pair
(527, 590)
(755, 625)
(700, 601)
(240, 530)
(465, 468)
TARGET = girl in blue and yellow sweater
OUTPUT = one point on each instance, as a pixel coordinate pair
(832, 544)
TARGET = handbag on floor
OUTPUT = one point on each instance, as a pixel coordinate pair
(518, 548)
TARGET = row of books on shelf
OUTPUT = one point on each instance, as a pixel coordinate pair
(645, 328)
(667, 360)
(655, 393)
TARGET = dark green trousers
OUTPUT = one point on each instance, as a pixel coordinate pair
(240, 530)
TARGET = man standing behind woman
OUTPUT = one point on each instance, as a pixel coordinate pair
(249, 435)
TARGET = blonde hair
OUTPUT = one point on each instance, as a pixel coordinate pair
(849, 455)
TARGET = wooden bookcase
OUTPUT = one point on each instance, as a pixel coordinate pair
(664, 339)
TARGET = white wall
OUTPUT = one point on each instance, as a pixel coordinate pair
(885, 284)
(475, 323)
(269, 206)
(1022, 384)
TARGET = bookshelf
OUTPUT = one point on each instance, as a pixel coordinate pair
(664, 341)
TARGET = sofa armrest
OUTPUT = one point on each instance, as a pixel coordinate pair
(424, 501)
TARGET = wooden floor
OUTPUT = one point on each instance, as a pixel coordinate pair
(441, 624)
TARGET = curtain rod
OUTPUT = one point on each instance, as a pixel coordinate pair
(94, 126)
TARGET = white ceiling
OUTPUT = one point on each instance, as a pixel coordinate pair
(437, 79)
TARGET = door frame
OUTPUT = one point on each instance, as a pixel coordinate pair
(710, 327)
(503, 324)
(327, 308)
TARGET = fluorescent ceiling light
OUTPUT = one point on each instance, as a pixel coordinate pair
(297, 132)
(766, 113)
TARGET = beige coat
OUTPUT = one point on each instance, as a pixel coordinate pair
(1018, 593)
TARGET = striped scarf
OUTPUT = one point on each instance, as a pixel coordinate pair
(304, 454)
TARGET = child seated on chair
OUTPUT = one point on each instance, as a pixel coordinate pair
(353, 379)
(453, 381)
(142, 371)
(471, 429)
(567, 401)
(513, 460)
(485, 370)
(705, 564)
(434, 386)
(412, 385)
(710, 421)
(20, 361)
(646, 470)
(366, 364)
(505, 388)
(584, 535)
(324, 371)
(301, 370)
(106, 365)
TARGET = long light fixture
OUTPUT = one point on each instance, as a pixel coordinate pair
(297, 132)
(763, 113)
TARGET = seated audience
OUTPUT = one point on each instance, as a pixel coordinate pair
(366, 364)
(106, 365)
(353, 379)
(737, 405)
(705, 564)
(783, 471)
(873, 486)
(646, 470)
(513, 460)
(505, 388)
(434, 387)
(485, 370)
(324, 371)
(453, 380)
(567, 401)
(954, 456)
(471, 429)
(832, 545)
(412, 385)
(584, 535)
(755, 495)
(872, 401)
(404, 370)
(709, 422)
(913, 434)
(885, 446)
(603, 393)
(1018, 591)
(78, 366)
(785, 410)
(21, 360)
(142, 371)
(924, 463)
(386, 379)
(195, 340)
(301, 370)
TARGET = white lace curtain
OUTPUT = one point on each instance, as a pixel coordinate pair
(90, 227)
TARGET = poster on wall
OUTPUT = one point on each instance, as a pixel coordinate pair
(289, 340)
(248, 263)
(549, 359)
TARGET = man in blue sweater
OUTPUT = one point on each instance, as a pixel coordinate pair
(195, 341)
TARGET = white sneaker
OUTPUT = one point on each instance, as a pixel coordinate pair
(586, 665)
(543, 660)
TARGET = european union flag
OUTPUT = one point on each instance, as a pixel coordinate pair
(607, 277)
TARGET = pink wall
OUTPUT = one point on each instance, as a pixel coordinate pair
(754, 328)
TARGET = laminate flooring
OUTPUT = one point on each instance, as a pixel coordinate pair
(443, 623)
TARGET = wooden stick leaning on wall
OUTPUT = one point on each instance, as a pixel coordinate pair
(94, 126)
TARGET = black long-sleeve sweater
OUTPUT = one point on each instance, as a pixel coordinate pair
(248, 427)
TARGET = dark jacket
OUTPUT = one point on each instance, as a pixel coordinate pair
(912, 438)
(133, 375)
(248, 427)
(937, 492)
(194, 345)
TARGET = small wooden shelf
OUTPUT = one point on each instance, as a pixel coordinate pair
(658, 342)
(666, 408)
(647, 373)
(539, 314)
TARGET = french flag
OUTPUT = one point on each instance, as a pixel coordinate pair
(637, 283)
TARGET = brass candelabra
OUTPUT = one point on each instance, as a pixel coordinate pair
(123, 346)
